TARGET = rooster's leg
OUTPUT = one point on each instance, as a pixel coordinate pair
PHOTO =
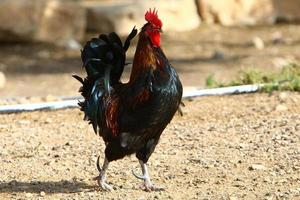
(102, 177)
(148, 185)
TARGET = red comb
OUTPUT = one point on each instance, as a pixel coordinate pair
(151, 17)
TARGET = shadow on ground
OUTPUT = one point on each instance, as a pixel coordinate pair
(63, 186)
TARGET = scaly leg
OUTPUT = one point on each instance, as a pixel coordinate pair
(147, 186)
(102, 177)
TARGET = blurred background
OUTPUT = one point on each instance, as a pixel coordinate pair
(40, 40)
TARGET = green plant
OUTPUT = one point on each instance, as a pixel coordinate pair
(287, 79)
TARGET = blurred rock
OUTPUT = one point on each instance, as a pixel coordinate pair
(28, 195)
(277, 37)
(180, 15)
(62, 22)
(258, 43)
(283, 96)
(73, 45)
(218, 55)
(248, 12)
(287, 10)
(2, 80)
(42, 193)
(19, 19)
(233, 12)
(41, 20)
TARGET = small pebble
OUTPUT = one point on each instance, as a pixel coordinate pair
(257, 167)
(42, 193)
(283, 96)
(29, 195)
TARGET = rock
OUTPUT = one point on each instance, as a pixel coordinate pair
(2, 80)
(29, 195)
(73, 45)
(248, 12)
(277, 37)
(48, 121)
(218, 55)
(257, 167)
(107, 16)
(141, 198)
(287, 10)
(258, 43)
(233, 12)
(19, 19)
(62, 22)
(47, 21)
(42, 193)
(283, 96)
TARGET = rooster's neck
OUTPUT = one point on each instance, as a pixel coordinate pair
(144, 58)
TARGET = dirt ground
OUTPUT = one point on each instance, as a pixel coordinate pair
(224, 147)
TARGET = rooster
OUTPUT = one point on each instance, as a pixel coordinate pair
(130, 117)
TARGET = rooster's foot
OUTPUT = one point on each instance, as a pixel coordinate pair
(102, 178)
(147, 185)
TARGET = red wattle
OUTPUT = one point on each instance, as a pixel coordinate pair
(155, 39)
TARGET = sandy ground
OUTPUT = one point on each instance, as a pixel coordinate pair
(225, 147)
(229, 147)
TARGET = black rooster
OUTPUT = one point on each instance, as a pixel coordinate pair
(130, 117)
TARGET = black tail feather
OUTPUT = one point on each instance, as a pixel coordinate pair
(115, 38)
(103, 59)
(78, 78)
(129, 38)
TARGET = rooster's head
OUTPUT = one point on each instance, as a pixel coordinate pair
(152, 28)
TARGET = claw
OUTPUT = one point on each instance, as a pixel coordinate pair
(106, 186)
(102, 184)
(138, 176)
(98, 165)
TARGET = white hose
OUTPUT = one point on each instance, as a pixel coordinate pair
(73, 101)
(38, 106)
(222, 91)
